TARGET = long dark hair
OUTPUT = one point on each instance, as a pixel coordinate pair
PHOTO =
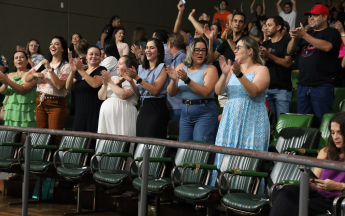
(27, 50)
(110, 49)
(139, 35)
(160, 57)
(332, 151)
(115, 32)
(64, 54)
(71, 46)
(26, 56)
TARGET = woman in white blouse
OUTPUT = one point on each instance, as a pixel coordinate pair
(118, 114)
(118, 37)
(51, 102)
(111, 56)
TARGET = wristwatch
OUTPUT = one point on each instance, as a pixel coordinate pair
(139, 56)
(139, 80)
(239, 75)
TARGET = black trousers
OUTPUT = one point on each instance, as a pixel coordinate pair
(286, 202)
(153, 118)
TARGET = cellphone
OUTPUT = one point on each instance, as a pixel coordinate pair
(312, 175)
(40, 69)
(183, 2)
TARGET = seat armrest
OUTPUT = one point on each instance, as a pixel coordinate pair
(80, 150)
(156, 159)
(304, 150)
(290, 182)
(44, 146)
(252, 173)
(199, 165)
(115, 154)
(11, 144)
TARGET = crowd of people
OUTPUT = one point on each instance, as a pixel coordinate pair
(176, 76)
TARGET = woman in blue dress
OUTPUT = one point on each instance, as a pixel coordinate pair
(244, 123)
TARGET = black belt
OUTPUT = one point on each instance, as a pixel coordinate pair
(193, 102)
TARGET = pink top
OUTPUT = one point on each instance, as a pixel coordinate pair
(123, 49)
(342, 51)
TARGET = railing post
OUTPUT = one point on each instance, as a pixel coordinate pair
(145, 173)
(304, 193)
(26, 176)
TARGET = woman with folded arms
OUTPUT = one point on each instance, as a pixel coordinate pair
(195, 79)
(20, 96)
(85, 86)
(51, 102)
(152, 85)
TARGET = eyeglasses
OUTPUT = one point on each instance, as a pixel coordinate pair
(200, 50)
(222, 4)
(314, 15)
(238, 47)
(34, 45)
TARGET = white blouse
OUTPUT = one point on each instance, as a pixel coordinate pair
(110, 63)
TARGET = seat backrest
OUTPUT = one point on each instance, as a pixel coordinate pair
(73, 142)
(298, 137)
(191, 156)
(324, 129)
(6, 152)
(283, 171)
(110, 163)
(292, 120)
(39, 139)
(156, 151)
(244, 163)
(339, 94)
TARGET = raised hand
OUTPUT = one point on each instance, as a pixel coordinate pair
(209, 34)
(73, 67)
(132, 72)
(182, 74)
(126, 77)
(216, 8)
(339, 27)
(46, 63)
(171, 72)
(225, 66)
(191, 15)
(180, 6)
(106, 76)
(299, 32)
(78, 64)
(236, 68)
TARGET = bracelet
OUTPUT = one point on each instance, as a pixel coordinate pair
(187, 81)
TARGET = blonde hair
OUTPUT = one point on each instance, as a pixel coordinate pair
(248, 43)
(189, 56)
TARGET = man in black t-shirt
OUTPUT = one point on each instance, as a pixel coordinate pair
(278, 63)
(317, 53)
(226, 48)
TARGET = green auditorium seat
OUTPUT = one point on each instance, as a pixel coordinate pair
(8, 148)
(114, 175)
(251, 204)
(184, 160)
(291, 120)
(325, 130)
(339, 94)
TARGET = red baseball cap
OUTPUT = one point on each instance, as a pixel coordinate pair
(318, 9)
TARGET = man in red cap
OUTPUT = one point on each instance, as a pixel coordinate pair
(317, 55)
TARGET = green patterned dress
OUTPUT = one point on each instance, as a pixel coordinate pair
(20, 109)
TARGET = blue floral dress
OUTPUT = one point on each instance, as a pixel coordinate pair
(244, 121)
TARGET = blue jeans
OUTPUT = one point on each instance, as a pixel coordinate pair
(175, 114)
(315, 100)
(279, 101)
(199, 122)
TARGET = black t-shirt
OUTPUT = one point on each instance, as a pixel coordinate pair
(280, 76)
(225, 49)
(108, 29)
(317, 67)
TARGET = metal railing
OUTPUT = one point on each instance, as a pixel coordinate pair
(271, 156)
